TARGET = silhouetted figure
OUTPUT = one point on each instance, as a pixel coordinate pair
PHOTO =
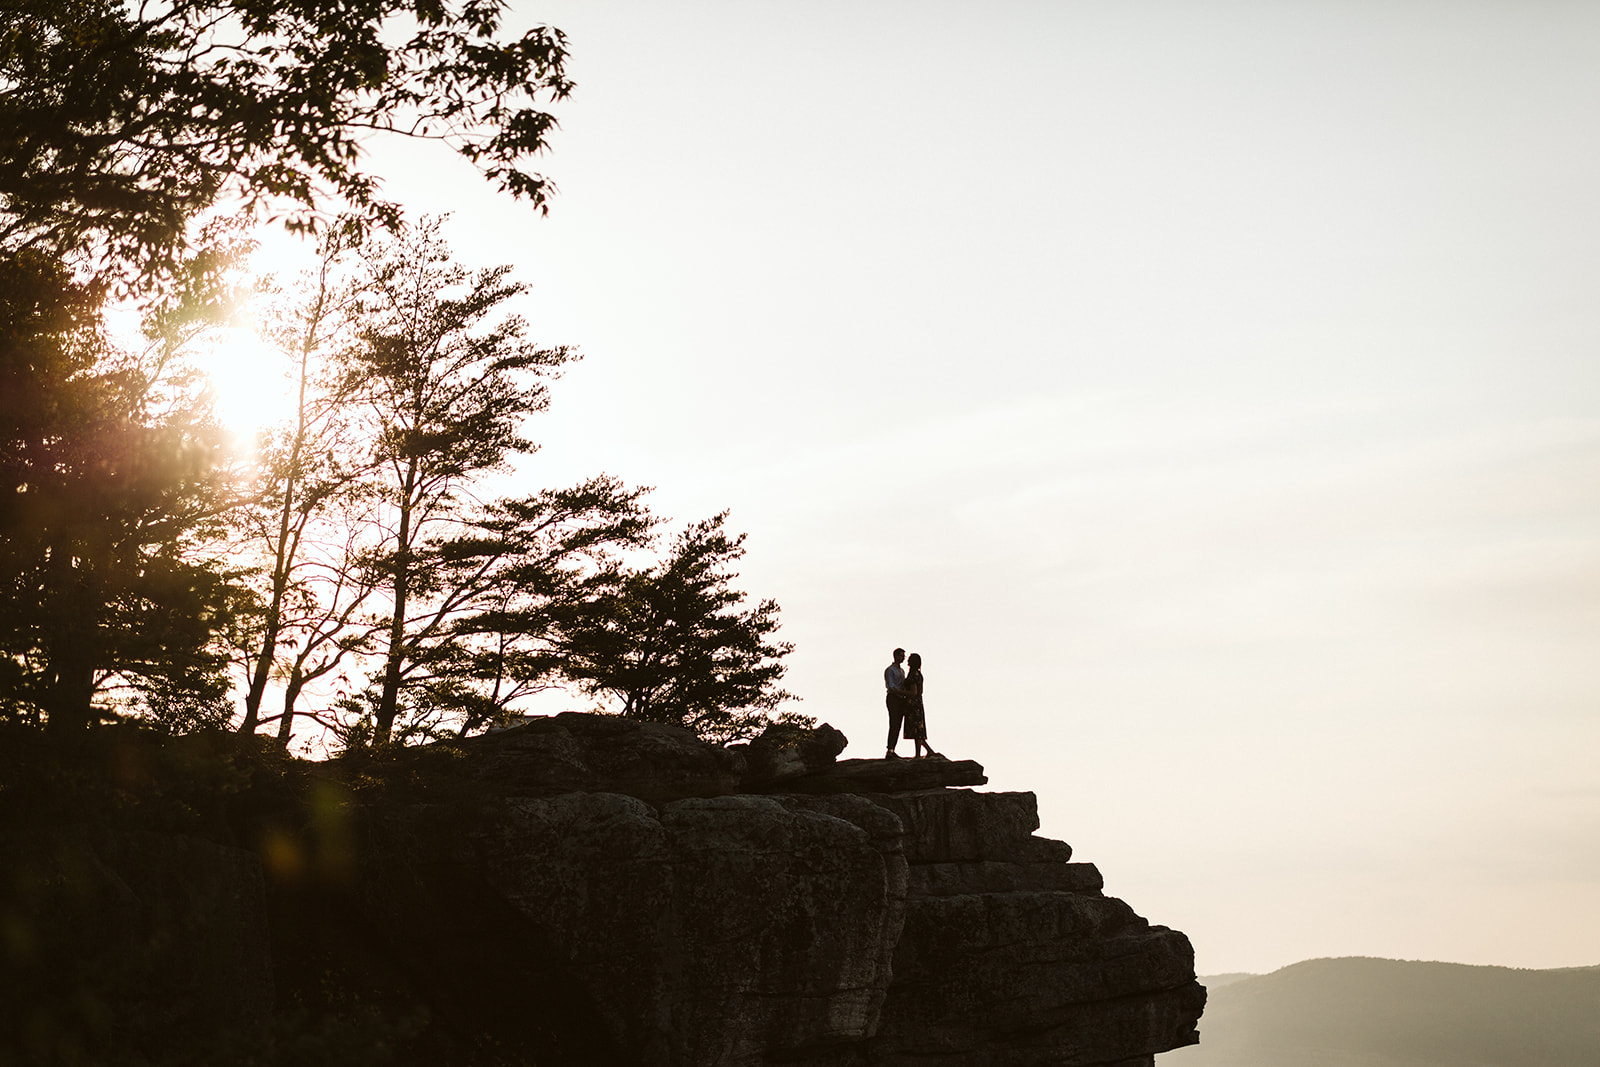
(916, 718)
(894, 698)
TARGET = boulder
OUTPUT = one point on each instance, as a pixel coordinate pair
(956, 879)
(591, 890)
(962, 826)
(787, 751)
(574, 752)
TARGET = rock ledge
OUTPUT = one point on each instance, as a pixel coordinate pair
(769, 903)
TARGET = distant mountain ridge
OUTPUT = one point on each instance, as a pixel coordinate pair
(1365, 1012)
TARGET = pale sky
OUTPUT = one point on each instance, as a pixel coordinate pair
(1208, 391)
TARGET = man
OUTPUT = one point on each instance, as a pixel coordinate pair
(894, 685)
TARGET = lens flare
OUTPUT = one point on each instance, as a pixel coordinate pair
(247, 384)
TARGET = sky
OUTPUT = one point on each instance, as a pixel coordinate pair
(1208, 391)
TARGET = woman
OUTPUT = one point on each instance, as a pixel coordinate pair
(916, 727)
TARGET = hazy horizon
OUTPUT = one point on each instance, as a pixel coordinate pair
(1360, 1012)
(1208, 392)
(1226, 978)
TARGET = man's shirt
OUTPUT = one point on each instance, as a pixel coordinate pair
(894, 677)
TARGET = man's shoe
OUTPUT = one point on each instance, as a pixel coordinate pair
(891, 754)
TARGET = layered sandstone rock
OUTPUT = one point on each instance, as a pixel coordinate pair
(588, 890)
(883, 915)
(1010, 954)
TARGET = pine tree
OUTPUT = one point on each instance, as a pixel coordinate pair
(112, 479)
(446, 379)
(673, 644)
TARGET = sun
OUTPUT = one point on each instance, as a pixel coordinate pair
(247, 382)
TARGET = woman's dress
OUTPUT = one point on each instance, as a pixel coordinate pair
(916, 727)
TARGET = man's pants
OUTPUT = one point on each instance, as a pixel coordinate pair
(897, 714)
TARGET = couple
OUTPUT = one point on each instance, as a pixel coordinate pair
(903, 697)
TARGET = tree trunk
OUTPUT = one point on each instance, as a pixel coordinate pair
(291, 693)
(283, 557)
(71, 636)
(389, 700)
(70, 701)
(274, 620)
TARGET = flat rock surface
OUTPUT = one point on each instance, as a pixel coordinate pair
(888, 776)
(577, 753)
(574, 752)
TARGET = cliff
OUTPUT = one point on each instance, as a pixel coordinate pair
(585, 889)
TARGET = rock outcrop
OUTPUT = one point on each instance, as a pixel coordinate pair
(579, 890)
(132, 941)
(702, 905)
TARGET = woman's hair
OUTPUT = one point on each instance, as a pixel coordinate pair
(914, 661)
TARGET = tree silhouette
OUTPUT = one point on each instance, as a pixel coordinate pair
(119, 126)
(312, 482)
(526, 563)
(111, 481)
(119, 123)
(445, 386)
(672, 645)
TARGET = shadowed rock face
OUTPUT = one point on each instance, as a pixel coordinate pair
(705, 931)
(122, 940)
(586, 890)
(873, 913)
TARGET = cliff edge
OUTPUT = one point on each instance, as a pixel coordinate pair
(769, 904)
(577, 890)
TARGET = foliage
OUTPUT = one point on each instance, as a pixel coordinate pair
(119, 124)
(365, 515)
(522, 563)
(374, 541)
(179, 710)
(672, 645)
(111, 476)
(445, 379)
(307, 510)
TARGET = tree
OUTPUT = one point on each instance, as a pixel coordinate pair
(446, 387)
(119, 124)
(110, 476)
(372, 537)
(309, 479)
(331, 622)
(527, 563)
(672, 645)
